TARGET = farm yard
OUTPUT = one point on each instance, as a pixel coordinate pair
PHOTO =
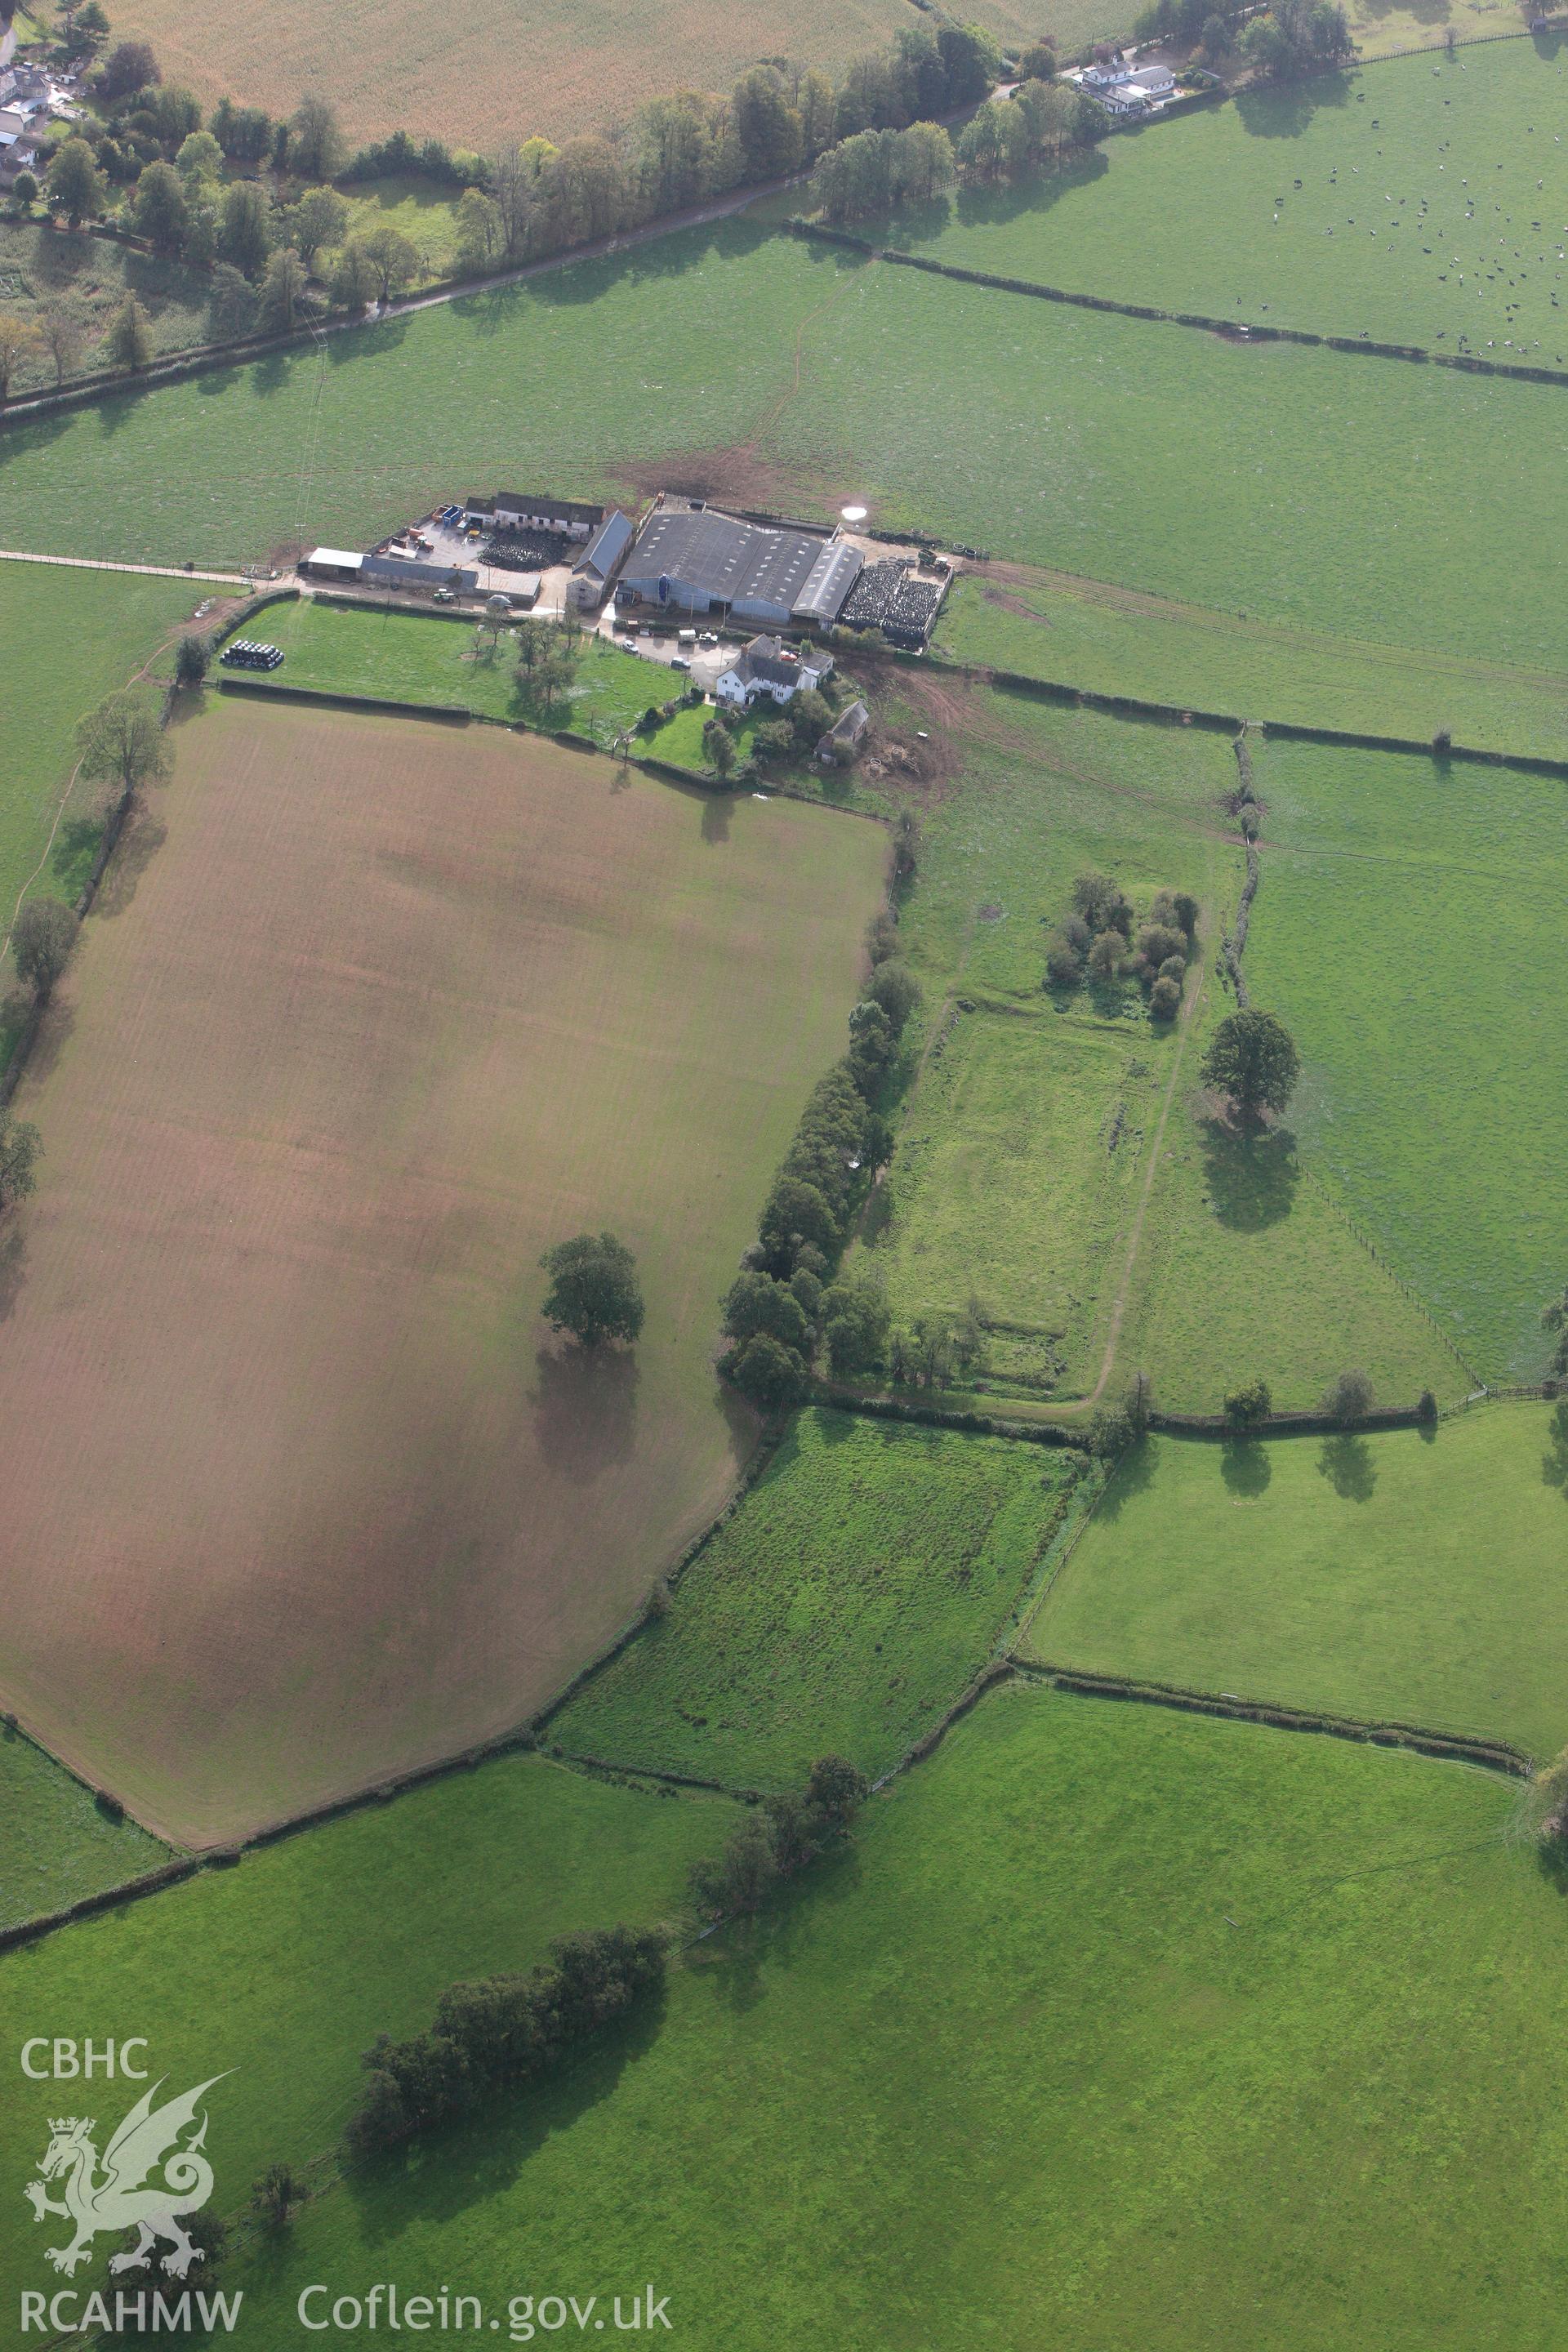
(340, 1218)
(860, 1586)
(1441, 483)
(1395, 1575)
(996, 1311)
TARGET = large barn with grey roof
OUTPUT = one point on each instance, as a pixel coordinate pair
(696, 559)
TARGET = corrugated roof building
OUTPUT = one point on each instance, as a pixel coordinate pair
(696, 559)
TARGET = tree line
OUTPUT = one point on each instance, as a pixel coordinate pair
(254, 202)
(502, 2034)
(785, 1301)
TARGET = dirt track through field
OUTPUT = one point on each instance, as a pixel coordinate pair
(373, 1012)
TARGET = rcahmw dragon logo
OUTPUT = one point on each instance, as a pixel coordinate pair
(122, 2195)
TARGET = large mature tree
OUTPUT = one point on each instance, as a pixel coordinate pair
(20, 1150)
(1252, 1060)
(42, 938)
(318, 219)
(316, 149)
(244, 228)
(18, 341)
(161, 213)
(394, 257)
(767, 1372)
(1349, 1399)
(594, 1291)
(282, 292)
(129, 66)
(62, 338)
(74, 185)
(129, 343)
(122, 743)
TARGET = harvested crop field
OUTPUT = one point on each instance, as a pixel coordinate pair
(374, 1011)
(493, 72)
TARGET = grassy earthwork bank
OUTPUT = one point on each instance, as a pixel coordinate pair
(1422, 203)
(374, 1012)
(1138, 1972)
(856, 1592)
(56, 1843)
(817, 377)
(1415, 1575)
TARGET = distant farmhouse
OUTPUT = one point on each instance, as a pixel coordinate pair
(767, 666)
(1126, 91)
(693, 559)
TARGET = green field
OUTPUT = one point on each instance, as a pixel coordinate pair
(816, 377)
(1421, 205)
(426, 657)
(69, 639)
(858, 1588)
(1049, 2054)
(1400, 1575)
(1023, 1151)
(1015, 1173)
(55, 1844)
(285, 1969)
(1406, 931)
(1114, 641)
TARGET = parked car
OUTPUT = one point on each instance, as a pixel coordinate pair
(446, 596)
(679, 661)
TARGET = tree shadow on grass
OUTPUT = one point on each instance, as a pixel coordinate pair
(1555, 1465)
(1285, 109)
(13, 1270)
(733, 1962)
(53, 1037)
(1250, 1175)
(1134, 1473)
(139, 841)
(584, 1408)
(445, 2172)
(1347, 1464)
(1245, 1467)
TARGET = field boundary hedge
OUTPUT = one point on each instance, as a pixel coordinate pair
(1454, 1747)
(1175, 714)
(1234, 331)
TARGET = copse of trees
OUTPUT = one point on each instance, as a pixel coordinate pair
(1297, 36)
(781, 1837)
(503, 2033)
(1096, 936)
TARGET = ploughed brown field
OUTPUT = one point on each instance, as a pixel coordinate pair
(296, 1492)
